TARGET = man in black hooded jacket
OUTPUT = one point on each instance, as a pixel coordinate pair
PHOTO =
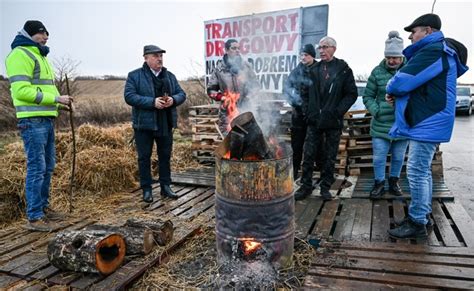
(332, 94)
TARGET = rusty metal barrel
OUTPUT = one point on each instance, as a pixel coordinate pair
(255, 209)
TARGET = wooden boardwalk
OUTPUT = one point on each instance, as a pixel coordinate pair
(340, 225)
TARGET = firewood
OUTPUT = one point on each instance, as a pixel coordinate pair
(162, 230)
(93, 251)
(139, 241)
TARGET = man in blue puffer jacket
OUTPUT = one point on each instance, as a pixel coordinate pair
(425, 94)
(154, 93)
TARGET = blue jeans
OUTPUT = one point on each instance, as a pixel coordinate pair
(381, 147)
(144, 140)
(38, 138)
(420, 155)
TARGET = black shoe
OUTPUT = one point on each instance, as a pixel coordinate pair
(378, 190)
(429, 225)
(394, 187)
(303, 192)
(325, 194)
(147, 196)
(167, 192)
(409, 230)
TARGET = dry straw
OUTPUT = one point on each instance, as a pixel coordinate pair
(106, 165)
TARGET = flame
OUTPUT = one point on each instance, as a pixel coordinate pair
(278, 150)
(230, 103)
(250, 245)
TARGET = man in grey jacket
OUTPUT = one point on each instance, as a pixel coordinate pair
(154, 93)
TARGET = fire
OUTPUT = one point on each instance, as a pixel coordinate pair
(250, 246)
(277, 148)
(230, 103)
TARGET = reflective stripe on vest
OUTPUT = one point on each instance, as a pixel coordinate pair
(35, 108)
(36, 72)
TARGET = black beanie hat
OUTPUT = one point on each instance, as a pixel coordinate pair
(33, 27)
(309, 49)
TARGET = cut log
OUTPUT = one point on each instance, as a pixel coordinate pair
(162, 230)
(139, 241)
(94, 251)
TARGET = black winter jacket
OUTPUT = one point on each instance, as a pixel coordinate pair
(327, 106)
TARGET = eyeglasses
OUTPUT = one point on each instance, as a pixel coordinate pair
(324, 47)
(234, 48)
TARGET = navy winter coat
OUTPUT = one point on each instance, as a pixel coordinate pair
(139, 93)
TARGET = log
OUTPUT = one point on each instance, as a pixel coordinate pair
(162, 230)
(93, 251)
(139, 241)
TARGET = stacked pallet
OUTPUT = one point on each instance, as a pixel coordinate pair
(206, 137)
(359, 146)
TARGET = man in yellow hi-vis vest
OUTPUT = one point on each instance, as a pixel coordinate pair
(36, 100)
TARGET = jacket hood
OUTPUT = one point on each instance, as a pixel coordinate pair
(21, 40)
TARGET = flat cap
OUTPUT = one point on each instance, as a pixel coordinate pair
(430, 19)
(152, 49)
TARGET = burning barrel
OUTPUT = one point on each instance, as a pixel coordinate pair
(254, 202)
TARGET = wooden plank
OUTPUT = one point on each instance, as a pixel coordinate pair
(45, 273)
(189, 204)
(325, 220)
(347, 192)
(380, 221)
(160, 201)
(393, 279)
(64, 278)
(409, 249)
(199, 207)
(195, 181)
(7, 280)
(405, 257)
(183, 200)
(397, 267)
(37, 261)
(85, 281)
(318, 282)
(362, 221)
(447, 234)
(463, 221)
(305, 215)
(432, 239)
(345, 221)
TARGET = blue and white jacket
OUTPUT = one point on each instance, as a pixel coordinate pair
(425, 90)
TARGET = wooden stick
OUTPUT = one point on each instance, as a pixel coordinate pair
(73, 166)
(219, 130)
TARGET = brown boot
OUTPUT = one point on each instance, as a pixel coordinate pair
(41, 224)
(52, 214)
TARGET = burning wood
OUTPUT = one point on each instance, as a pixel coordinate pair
(246, 141)
(230, 103)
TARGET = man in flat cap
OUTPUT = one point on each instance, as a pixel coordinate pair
(154, 93)
(36, 100)
(424, 92)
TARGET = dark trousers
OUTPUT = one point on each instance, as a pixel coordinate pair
(144, 141)
(298, 135)
(311, 149)
(299, 127)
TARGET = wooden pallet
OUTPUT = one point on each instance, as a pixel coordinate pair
(365, 220)
(23, 261)
(365, 183)
(210, 110)
(382, 266)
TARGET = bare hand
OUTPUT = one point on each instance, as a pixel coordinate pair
(160, 103)
(168, 101)
(65, 99)
(390, 99)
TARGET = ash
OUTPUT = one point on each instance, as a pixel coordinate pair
(244, 274)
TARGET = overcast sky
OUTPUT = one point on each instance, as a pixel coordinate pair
(107, 37)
